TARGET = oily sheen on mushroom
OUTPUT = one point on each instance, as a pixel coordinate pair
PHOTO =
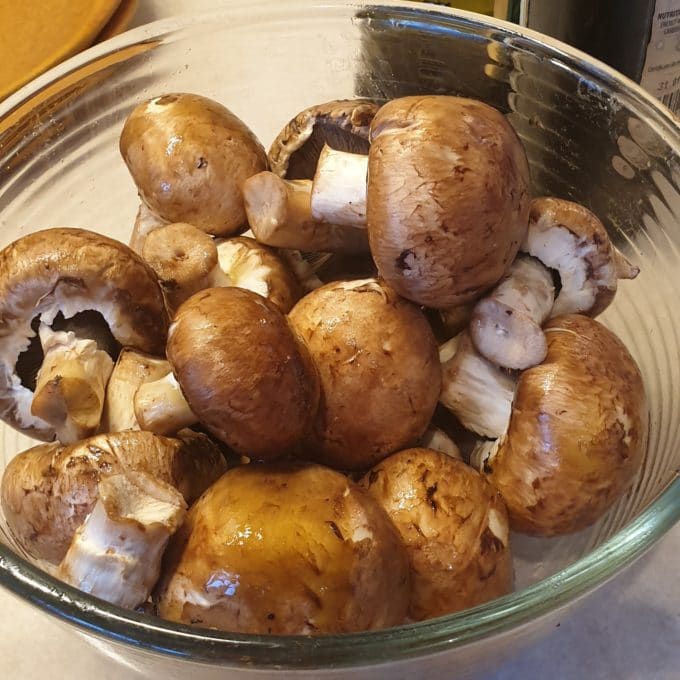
(69, 299)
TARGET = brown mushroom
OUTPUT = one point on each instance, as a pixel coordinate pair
(189, 157)
(187, 260)
(577, 432)
(572, 241)
(379, 371)
(49, 490)
(506, 324)
(342, 124)
(69, 299)
(447, 187)
(286, 549)
(243, 373)
(454, 526)
(116, 552)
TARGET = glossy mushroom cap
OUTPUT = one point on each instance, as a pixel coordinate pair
(48, 490)
(343, 125)
(577, 431)
(244, 373)
(189, 157)
(286, 549)
(448, 197)
(379, 369)
(454, 525)
(70, 271)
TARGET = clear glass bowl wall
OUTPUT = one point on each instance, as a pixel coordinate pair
(590, 135)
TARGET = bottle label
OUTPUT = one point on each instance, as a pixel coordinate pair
(661, 72)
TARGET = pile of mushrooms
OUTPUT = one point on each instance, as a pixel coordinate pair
(320, 387)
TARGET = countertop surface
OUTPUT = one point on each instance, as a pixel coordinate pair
(629, 629)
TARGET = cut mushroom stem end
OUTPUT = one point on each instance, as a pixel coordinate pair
(116, 553)
(339, 189)
(160, 407)
(70, 386)
(279, 213)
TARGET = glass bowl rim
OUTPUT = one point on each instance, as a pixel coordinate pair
(152, 634)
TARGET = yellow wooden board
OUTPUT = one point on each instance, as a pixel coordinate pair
(38, 34)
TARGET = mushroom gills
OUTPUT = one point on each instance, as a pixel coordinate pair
(116, 553)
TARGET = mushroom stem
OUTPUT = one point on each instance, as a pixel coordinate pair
(478, 392)
(624, 268)
(437, 440)
(70, 385)
(506, 324)
(145, 222)
(279, 213)
(339, 188)
(116, 553)
(160, 407)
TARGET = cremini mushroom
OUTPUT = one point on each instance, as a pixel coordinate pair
(187, 260)
(279, 214)
(571, 240)
(506, 324)
(116, 552)
(243, 373)
(292, 549)
(341, 124)
(145, 222)
(189, 156)
(576, 434)
(69, 299)
(446, 186)
(379, 371)
(49, 490)
(454, 526)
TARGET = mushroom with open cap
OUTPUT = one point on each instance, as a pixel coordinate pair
(189, 156)
(285, 549)
(341, 124)
(379, 371)
(239, 369)
(454, 526)
(576, 432)
(446, 186)
(116, 552)
(69, 299)
(187, 260)
(49, 490)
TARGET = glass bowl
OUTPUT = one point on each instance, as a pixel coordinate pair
(591, 136)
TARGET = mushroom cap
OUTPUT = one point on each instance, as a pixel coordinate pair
(182, 256)
(448, 197)
(245, 375)
(48, 490)
(69, 271)
(189, 156)
(577, 431)
(286, 549)
(454, 525)
(379, 369)
(571, 239)
(342, 124)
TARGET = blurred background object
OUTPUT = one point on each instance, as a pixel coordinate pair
(39, 34)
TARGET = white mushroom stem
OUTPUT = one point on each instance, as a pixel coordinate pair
(478, 392)
(160, 407)
(339, 188)
(241, 266)
(279, 214)
(506, 324)
(145, 222)
(437, 440)
(132, 370)
(70, 385)
(116, 553)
